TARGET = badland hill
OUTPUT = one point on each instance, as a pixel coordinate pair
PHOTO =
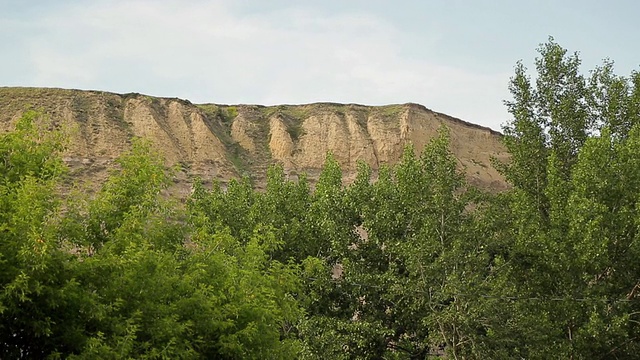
(213, 141)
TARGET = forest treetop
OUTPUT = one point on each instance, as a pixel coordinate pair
(417, 264)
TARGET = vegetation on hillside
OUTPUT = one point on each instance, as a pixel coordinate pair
(414, 265)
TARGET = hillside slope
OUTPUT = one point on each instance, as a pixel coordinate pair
(221, 141)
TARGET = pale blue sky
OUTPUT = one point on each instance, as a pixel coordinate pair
(452, 56)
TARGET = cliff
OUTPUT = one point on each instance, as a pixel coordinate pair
(223, 141)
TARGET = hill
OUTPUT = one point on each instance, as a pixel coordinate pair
(214, 141)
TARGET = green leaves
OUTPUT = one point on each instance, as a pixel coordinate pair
(31, 150)
(410, 265)
(129, 274)
(37, 291)
(570, 137)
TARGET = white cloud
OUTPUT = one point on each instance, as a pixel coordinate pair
(206, 52)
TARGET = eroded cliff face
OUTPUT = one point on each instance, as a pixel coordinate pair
(221, 142)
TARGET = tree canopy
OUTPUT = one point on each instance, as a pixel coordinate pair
(409, 263)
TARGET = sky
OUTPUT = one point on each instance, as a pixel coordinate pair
(452, 56)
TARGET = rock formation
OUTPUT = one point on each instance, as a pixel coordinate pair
(221, 142)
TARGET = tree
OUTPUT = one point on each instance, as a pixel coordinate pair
(172, 285)
(567, 228)
(39, 298)
(127, 273)
(408, 278)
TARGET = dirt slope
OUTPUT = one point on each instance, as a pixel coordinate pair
(221, 141)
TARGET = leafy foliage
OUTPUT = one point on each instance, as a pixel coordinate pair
(413, 264)
(128, 274)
